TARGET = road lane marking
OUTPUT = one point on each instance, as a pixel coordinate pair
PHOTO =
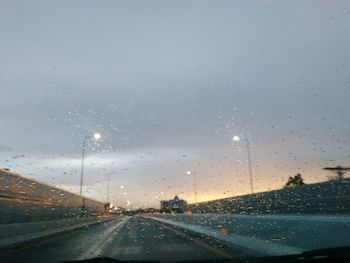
(198, 242)
(108, 235)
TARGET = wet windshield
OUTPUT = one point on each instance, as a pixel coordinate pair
(173, 130)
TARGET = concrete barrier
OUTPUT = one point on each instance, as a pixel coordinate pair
(25, 200)
(331, 197)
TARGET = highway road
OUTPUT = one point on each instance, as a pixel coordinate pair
(124, 239)
(177, 238)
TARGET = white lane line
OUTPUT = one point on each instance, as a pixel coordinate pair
(187, 236)
(107, 236)
(257, 245)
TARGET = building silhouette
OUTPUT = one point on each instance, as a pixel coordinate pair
(176, 204)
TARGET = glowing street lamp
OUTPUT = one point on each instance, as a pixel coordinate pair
(236, 138)
(97, 136)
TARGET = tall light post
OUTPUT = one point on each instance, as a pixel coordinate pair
(108, 182)
(116, 194)
(108, 185)
(96, 136)
(195, 184)
(250, 170)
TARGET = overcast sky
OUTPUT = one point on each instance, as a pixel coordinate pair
(167, 84)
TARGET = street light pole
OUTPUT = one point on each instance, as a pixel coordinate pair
(82, 164)
(195, 184)
(108, 183)
(82, 176)
(250, 166)
(96, 137)
(195, 187)
(250, 169)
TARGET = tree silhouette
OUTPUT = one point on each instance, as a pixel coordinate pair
(295, 181)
